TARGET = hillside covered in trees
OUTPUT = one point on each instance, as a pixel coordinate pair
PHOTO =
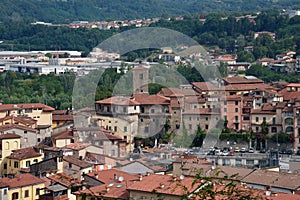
(63, 11)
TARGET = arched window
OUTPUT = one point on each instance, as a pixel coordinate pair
(289, 129)
(16, 145)
(7, 145)
(289, 121)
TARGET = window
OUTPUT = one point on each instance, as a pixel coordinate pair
(274, 130)
(206, 126)
(190, 118)
(225, 109)
(115, 128)
(141, 76)
(27, 163)
(125, 129)
(256, 128)
(225, 117)
(5, 191)
(16, 164)
(256, 119)
(264, 119)
(5, 166)
(39, 140)
(236, 109)
(35, 160)
(274, 120)
(142, 120)
(206, 118)
(152, 110)
(124, 109)
(15, 195)
(37, 191)
(190, 126)
(225, 102)
(7, 145)
(70, 165)
(134, 107)
(26, 194)
(236, 118)
(25, 132)
(246, 118)
(146, 129)
(236, 103)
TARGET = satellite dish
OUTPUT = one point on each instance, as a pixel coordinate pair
(181, 177)
(121, 178)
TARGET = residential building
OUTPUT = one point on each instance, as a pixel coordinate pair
(21, 159)
(75, 167)
(8, 142)
(23, 186)
(37, 111)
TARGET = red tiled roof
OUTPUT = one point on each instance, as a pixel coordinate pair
(77, 146)
(25, 120)
(115, 191)
(64, 180)
(21, 180)
(146, 99)
(25, 153)
(119, 100)
(167, 92)
(7, 127)
(6, 107)
(274, 179)
(288, 95)
(75, 161)
(164, 184)
(241, 80)
(107, 176)
(9, 136)
(263, 112)
(67, 134)
(207, 86)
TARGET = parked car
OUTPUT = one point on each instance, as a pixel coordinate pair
(298, 152)
(225, 153)
(251, 150)
(236, 149)
(243, 150)
(290, 152)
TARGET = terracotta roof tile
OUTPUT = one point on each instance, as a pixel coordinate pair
(108, 191)
(164, 184)
(167, 92)
(66, 134)
(77, 146)
(9, 136)
(107, 176)
(241, 80)
(6, 107)
(64, 180)
(146, 99)
(24, 153)
(119, 100)
(7, 127)
(274, 179)
(21, 180)
(75, 161)
(24, 120)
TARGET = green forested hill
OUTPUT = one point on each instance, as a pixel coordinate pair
(70, 10)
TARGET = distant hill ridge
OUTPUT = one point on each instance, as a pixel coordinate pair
(64, 11)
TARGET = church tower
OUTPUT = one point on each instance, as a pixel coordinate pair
(140, 80)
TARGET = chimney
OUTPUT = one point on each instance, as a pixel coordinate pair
(148, 174)
(161, 185)
(96, 176)
(141, 177)
(107, 188)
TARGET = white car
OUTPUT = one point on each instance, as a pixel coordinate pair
(251, 150)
